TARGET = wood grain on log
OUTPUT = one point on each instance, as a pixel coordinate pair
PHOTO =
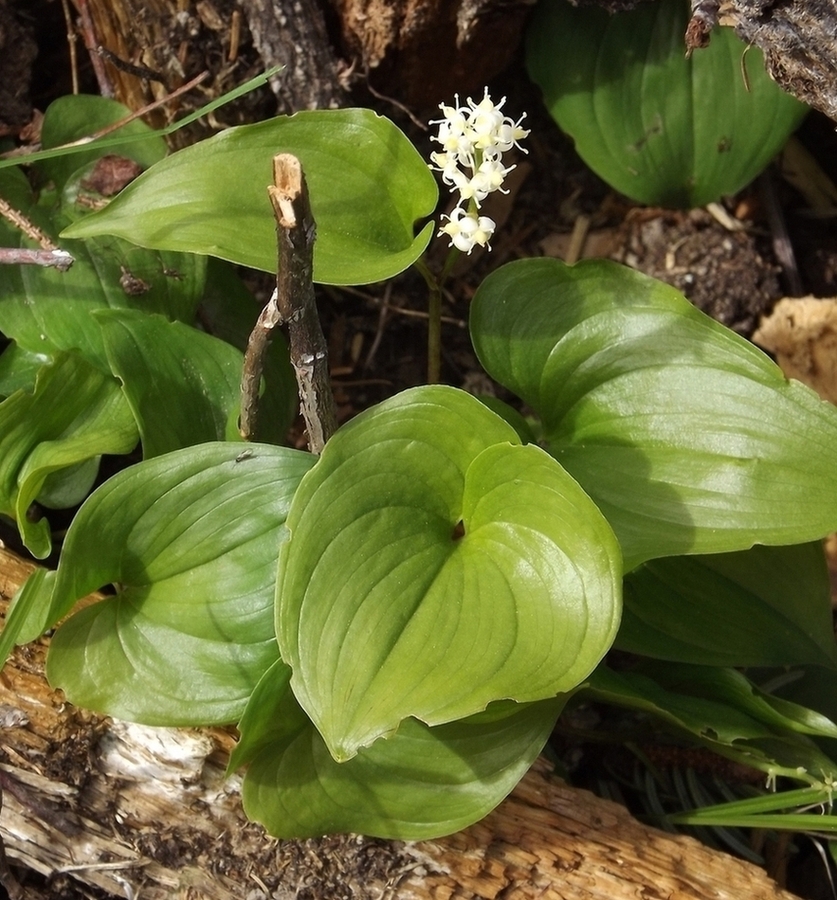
(147, 813)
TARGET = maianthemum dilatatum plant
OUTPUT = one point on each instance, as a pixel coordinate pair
(396, 623)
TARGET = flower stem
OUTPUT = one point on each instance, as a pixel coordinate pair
(434, 314)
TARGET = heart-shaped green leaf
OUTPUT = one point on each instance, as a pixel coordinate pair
(191, 540)
(421, 783)
(767, 606)
(183, 385)
(74, 416)
(689, 439)
(368, 188)
(436, 565)
(658, 126)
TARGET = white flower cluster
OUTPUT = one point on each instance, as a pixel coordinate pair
(474, 139)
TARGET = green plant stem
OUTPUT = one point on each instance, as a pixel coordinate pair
(434, 313)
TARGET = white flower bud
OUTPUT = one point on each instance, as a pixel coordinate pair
(467, 231)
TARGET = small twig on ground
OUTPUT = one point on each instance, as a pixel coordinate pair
(16, 256)
(251, 373)
(379, 332)
(72, 39)
(293, 304)
(91, 43)
(578, 238)
(115, 126)
(31, 231)
(405, 109)
(782, 246)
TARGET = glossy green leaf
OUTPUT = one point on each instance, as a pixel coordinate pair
(183, 385)
(75, 116)
(658, 126)
(367, 183)
(19, 369)
(74, 415)
(191, 542)
(46, 311)
(25, 615)
(767, 606)
(732, 687)
(421, 783)
(724, 723)
(688, 438)
(436, 565)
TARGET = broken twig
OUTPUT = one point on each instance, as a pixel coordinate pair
(59, 259)
(294, 305)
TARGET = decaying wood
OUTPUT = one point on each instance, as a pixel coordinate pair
(797, 39)
(163, 35)
(292, 34)
(802, 334)
(146, 813)
(17, 53)
(424, 51)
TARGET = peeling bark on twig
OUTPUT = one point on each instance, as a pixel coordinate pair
(295, 302)
(253, 368)
(18, 256)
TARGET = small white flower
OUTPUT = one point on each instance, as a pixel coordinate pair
(447, 164)
(475, 188)
(467, 231)
(491, 175)
(485, 120)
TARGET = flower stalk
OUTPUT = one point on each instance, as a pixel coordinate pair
(474, 138)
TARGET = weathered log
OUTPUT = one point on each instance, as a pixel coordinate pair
(147, 812)
(424, 51)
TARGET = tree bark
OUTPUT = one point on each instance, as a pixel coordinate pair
(425, 51)
(146, 812)
(293, 34)
(797, 40)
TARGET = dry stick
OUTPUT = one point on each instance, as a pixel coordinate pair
(294, 305)
(72, 38)
(16, 256)
(251, 373)
(296, 232)
(49, 254)
(114, 126)
(7, 211)
(88, 33)
(782, 246)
